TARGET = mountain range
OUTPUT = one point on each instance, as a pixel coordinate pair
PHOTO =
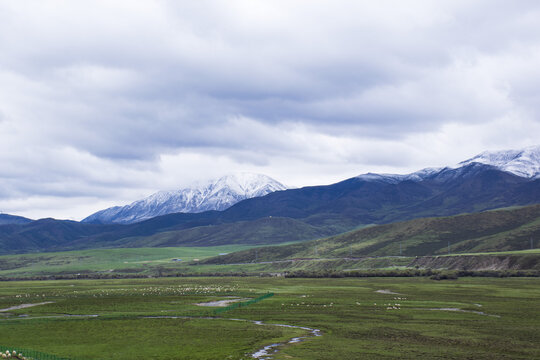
(524, 163)
(310, 212)
(217, 194)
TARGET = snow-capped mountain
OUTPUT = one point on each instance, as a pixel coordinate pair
(524, 163)
(211, 195)
(397, 178)
(228, 190)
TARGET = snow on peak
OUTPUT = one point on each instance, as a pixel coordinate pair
(218, 194)
(397, 178)
(524, 162)
(251, 185)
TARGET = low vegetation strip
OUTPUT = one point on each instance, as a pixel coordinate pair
(242, 304)
(10, 352)
(432, 274)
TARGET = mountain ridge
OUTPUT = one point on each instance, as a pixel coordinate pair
(7, 219)
(315, 211)
(218, 194)
(318, 210)
(524, 162)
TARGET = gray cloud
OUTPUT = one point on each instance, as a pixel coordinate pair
(94, 96)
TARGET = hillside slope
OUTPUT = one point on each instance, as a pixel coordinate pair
(490, 231)
(269, 230)
(347, 204)
(47, 234)
(6, 219)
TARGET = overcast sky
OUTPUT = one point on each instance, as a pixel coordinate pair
(105, 102)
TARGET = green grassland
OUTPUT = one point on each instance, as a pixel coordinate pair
(468, 318)
(121, 260)
(156, 262)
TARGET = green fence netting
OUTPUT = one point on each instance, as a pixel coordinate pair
(242, 304)
(29, 354)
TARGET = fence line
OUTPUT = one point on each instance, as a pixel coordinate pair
(31, 354)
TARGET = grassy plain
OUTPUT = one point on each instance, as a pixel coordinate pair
(131, 262)
(121, 260)
(468, 318)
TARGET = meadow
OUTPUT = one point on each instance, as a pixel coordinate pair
(358, 318)
(197, 261)
(104, 261)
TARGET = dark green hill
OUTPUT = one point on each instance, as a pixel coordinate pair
(268, 230)
(490, 231)
(46, 234)
(355, 201)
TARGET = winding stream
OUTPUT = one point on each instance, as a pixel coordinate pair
(263, 354)
(267, 351)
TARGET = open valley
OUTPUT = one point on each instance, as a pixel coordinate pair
(360, 318)
(269, 180)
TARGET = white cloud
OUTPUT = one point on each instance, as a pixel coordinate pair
(105, 102)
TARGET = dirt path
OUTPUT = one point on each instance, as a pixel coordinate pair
(24, 306)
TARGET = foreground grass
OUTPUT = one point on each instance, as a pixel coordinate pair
(356, 320)
(144, 338)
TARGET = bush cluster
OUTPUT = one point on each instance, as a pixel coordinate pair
(432, 274)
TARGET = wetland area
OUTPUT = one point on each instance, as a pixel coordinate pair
(349, 318)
